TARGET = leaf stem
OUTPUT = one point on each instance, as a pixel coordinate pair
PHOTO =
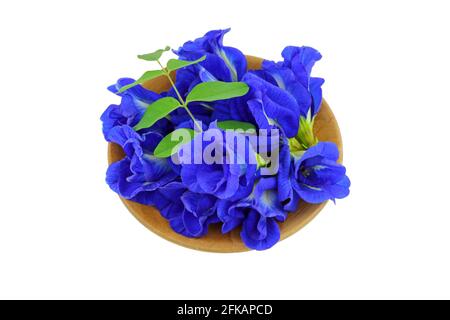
(183, 103)
(193, 118)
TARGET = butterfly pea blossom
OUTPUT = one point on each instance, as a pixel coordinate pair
(258, 214)
(271, 106)
(188, 213)
(134, 102)
(222, 63)
(140, 173)
(226, 171)
(318, 176)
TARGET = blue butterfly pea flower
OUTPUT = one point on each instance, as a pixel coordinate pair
(141, 96)
(140, 173)
(272, 106)
(233, 109)
(286, 194)
(224, 180)
(117, 115)
(317, 175)
(260, 230)
(167, 199)
(188, 213)
(199, 213)
(222, 63)
(134, 102)
(294, 75)
(258, 214)
(301, 61)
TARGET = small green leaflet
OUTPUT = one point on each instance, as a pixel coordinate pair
(174, 64)
(217, 90)
(153, 56)
(157, 110)
(235, 125)
(149, 75)
(171, 143)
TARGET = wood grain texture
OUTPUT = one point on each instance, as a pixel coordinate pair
(326, 129)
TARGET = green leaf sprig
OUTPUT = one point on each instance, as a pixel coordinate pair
(203, 92)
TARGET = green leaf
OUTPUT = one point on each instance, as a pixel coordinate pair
(235, 125)
(149, 75)
(171, 143)
(217, 90)
(157, 110)
(174, 64)
(153, 56)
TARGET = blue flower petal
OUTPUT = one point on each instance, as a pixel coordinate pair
(340, 189)
(288, 198)
(318, 177)
(231, 214)
(223, 180)
(301, 60)
(199, 205)
(189, 177)
(115, 171)
(327, 150)
(235, 61)
(128, 139)
(266, 199)
(194, 225)
(272, 105)
(142, 97)
(315, 86)
(216, 69)
(252, 236)
(221, 63)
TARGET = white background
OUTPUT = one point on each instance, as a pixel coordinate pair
(64, 234)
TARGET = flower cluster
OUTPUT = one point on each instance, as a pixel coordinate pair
(192, 195)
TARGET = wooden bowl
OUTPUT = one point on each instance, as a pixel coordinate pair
(325, 127)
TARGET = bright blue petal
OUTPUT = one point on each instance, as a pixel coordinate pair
(128, 139)
(177, 225)
(318, 177)
(288, 198)
(194, 225)
(216, 67)
(266, 199)
(199, 205)
(221, 63)
(235, 61)
(142, 97)
(110, 118)
(252, 236)
(312, 194)
(189, 177)
(285, 79)
(327, 150)
(272, 105)
(340, 189)
(300, 58)
(167, 200)
(115, 172)
(230, 214)
(208, 43)
(315, 87)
